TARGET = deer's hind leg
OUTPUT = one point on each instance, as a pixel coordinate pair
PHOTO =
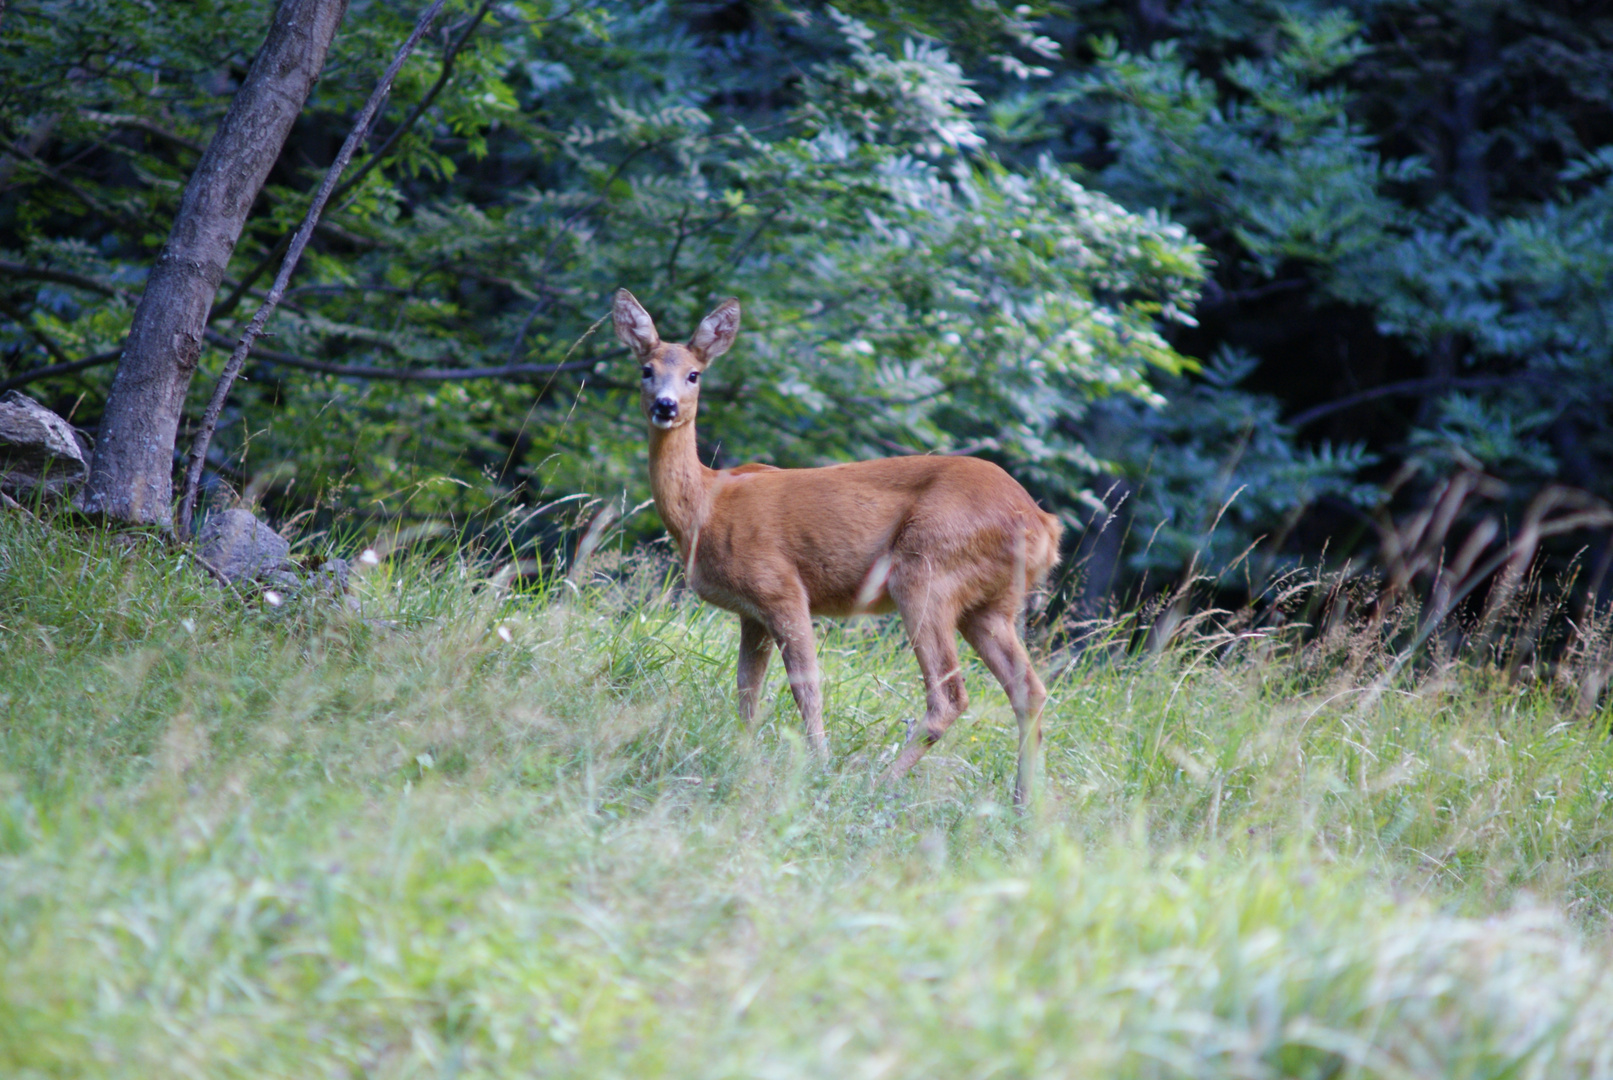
(993, 634)
(755, 649)
(930, 617)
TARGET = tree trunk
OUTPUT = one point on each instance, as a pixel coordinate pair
(131, 475)
(1097, 558)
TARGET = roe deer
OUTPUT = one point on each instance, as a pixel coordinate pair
(952, 543)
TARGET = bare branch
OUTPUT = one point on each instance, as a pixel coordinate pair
(44, 339)
(140, 123)
(356, 371)
(60, 369)
(565, 227)
(62, 277)
(350, 371)
(397, 133)
(55, 176)
(1408, 388)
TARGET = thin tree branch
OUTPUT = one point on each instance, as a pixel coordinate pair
(37, 135)
(1408, 388)
(61, 277)
(140, 123)
(1216, 296)
(336, 288)
(397, 133)
(12, 504)
(232, 367)
(966, 450)
(44, 339)
(303, 363)
(231, 301)
(526, 324)
(60, 369)
(106, 210)
(356, 371)
(543, 302)
(506, 371)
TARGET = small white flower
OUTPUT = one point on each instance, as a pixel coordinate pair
(369, 558)
(272, 598)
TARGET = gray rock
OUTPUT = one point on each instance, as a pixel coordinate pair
(239, 546)
(289, 580)
(331, 577)
(38, 449)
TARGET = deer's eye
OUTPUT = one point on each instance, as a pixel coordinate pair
(694, 376)
(646, 371)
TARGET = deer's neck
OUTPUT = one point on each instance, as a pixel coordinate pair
(680, 484)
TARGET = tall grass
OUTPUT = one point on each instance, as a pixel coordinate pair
(469, 831)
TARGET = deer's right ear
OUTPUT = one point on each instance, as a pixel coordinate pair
(634, 327)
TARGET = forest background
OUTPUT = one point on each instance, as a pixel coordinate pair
(1229, 279)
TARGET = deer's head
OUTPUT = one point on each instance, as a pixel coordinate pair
(669, 390)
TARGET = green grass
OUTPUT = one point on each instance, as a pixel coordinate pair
(240, 840)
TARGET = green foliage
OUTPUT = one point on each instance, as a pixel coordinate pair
(903, 288)
(1381, 155)
(492, 833)
(1472, 433)
(1523, 295)
(1272, 162)
(944, 297)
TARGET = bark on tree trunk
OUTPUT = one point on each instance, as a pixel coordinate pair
(131, 475)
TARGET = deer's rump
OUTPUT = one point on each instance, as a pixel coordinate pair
(848, 535)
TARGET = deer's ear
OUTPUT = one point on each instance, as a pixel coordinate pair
(717, 331)
(634, 327)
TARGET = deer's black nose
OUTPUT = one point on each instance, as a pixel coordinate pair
(665, 408)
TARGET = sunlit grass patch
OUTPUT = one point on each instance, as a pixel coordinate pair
(253, 937)
(480, 830)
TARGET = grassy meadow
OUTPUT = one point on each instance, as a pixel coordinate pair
(470, 832)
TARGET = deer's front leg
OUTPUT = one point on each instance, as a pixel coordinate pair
(792, 629)
(755, 649)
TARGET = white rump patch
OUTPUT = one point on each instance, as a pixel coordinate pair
(873, 585)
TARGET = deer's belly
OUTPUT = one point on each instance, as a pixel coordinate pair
(753, 593)
(718, 594)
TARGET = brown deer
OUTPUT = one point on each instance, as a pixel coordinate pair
(952, 543)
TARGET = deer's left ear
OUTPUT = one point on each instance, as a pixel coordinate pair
(716, 332)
